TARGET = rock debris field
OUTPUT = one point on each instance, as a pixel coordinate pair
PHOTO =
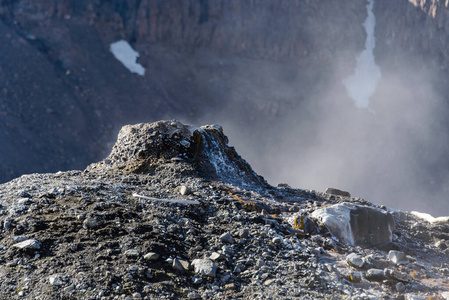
(175, 213)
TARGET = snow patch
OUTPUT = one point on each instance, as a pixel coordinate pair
(430, 218)
(362, 84)
(127, 56)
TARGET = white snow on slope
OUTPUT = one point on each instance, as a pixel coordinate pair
(429, 218)
(362, 84)
(127, 56)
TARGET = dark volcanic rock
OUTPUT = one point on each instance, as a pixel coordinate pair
(141, 148)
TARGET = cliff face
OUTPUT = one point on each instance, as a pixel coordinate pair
(420, 32)
(412, 51)
(277, 30)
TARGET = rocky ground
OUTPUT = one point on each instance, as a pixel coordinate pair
(210, 228)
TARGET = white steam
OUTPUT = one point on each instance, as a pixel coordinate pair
(362, 84)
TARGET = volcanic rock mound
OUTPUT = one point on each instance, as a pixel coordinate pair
(203, 151)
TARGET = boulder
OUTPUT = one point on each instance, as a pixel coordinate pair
(337, 192)
(356, 224)
(205, 267)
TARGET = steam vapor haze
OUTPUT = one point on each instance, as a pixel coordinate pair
(375, 134)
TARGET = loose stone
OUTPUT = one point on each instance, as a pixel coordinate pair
(55, 280)
(375, 275)
(151, 256)
(132, 253)
(227, 238)
(400, 287)
(28, 244)
(184, 190)
(180, 265)
(276, 240)
(205, 267)
(193, 295)
(398, 257)
(230, 286)
(355, 260)
(91, 223)
(215, 256)
(244, 233)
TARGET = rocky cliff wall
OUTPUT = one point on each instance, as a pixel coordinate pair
(277, 30)
(420, 32)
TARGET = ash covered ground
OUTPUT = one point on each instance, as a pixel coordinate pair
(211, 229)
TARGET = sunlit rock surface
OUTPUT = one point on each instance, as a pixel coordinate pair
(357, 225)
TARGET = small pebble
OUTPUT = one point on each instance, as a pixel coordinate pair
(132, 253)
(227, 238)
(151, 256)
(184, 190)
(91, 223)
(400, 287)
